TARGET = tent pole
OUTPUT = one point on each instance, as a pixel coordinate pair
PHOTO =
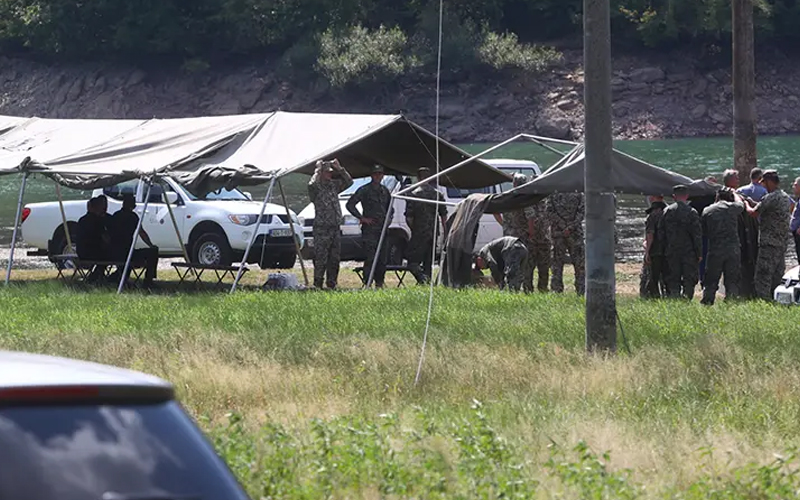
(429, 202)
(175, 226)
(70, 248)
(124, 276)
(16, 226)
(383, 236)
(255, 234)
(533, 138)
(177, 230)
(459, 165)
(545, 146)
(294, 236)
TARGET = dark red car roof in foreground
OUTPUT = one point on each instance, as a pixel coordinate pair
(30, 371)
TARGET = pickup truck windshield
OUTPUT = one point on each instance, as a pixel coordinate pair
(90, 452)
(220, 194)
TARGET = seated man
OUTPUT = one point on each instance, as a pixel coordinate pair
(123, 225)
(93, 239)
(505, 257)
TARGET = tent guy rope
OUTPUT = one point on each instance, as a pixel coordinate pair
(436, 223)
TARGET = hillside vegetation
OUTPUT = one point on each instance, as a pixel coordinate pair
(355, 41)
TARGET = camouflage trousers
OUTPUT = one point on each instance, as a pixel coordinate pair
(327, 251)
(770, 266)
(370, 239)
(651, 279)
(728, 264)
(564, 248)
(538, 260)
(511, 275)
(683, 273)
(420, 255)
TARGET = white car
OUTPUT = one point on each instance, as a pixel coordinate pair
(76, 430)
(216, 230)
(398, 233)
(788, 292)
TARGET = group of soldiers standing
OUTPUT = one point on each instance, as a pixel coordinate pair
(552, 232)
(330, 179)
(742, 236)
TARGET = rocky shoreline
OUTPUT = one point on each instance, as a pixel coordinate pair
(664, 97)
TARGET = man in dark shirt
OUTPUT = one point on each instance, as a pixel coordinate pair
(93, 238)
(653, 268)
(122, 228)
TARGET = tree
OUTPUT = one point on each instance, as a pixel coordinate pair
(744, 81)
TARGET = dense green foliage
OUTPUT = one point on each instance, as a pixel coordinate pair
(352, 40)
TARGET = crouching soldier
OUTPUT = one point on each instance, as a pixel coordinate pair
(506, 258)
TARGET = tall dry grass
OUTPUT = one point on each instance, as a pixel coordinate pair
(703, 393)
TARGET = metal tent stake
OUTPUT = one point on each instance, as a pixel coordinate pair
(255, 234)
(16, 226)
(124, 276)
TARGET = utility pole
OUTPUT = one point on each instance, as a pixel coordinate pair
(744, 83)
(601, 306)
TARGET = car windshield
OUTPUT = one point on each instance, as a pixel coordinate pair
(220, 194)
(389, 181)
(87, 452)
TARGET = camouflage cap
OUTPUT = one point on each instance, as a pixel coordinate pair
(680, 189)
(377, 169)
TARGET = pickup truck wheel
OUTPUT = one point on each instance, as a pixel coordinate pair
(212, 249)
(60, 247)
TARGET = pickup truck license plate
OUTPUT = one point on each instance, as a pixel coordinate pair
(281, 233)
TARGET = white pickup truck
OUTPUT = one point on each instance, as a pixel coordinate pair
(398, 233)
(215, 230)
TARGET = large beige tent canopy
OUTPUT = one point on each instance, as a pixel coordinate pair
(93, 153)
(226, 151)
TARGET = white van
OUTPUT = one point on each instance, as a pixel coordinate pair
(399, 234)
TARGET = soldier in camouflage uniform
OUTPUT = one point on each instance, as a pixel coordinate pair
(652, 276)
(505, 257)
(376, 202)
(421, 218)
(774, 212)
(540, 244)
(515, 224)
(328, 181)
(683, 235)
(565, 212)
(721, 226)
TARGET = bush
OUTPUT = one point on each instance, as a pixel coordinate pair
(359, 55)
(503, 51)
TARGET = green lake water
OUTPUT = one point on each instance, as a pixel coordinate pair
(692, 157)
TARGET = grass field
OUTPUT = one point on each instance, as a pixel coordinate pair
(311, 395)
